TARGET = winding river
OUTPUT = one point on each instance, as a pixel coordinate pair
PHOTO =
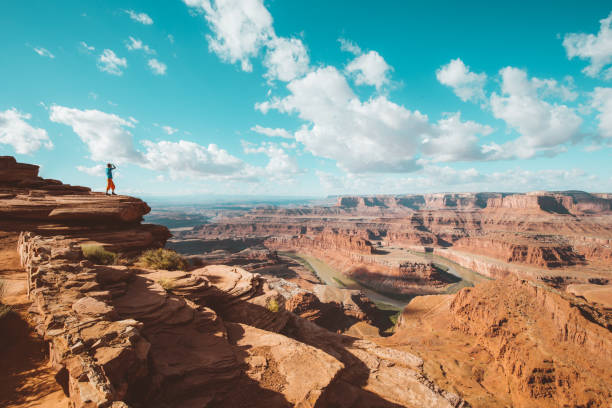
(332, 277)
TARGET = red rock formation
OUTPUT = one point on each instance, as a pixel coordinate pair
(31, 203)
(512, 343)
(214, 336)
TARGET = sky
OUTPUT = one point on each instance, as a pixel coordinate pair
(309, 97)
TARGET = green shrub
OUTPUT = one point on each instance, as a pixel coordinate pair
(272, 305)
(98, 255)
(162, 258)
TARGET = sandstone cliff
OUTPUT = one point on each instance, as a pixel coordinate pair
(211, 336)
(513, 343)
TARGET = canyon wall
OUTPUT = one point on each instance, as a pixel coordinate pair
(211, 336)
(511, 342)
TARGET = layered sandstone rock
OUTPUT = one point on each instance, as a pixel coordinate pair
(31, 203)
(144, 336)
(512, 343)
(540, 235)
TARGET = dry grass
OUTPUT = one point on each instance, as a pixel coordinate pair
(162, 259)
(166, 283)
(98, 255)
(4, 309)
(272, 305)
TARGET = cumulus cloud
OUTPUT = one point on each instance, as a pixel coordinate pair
(281, 166)
(602, 102)
(95, 171)
(377, 135)
(454, 140)
(276, 132)
(240, 28)
(137, 44)
(106, 135)
(286, 59)
(543, 127)
(349, 46)
(595, 48)
(43, 52)
(142, 18)
(467, 85)
(158, 67)
(188, 159)
(370, 69)
(109, 139)
(15, 131)
(109, 62)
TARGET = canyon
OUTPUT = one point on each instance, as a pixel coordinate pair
(508, 301)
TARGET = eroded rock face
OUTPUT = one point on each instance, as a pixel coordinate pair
(31, 203)
(513, 342)
(562, 237)
(163, 338)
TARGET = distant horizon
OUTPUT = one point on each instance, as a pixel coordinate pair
(310, 99)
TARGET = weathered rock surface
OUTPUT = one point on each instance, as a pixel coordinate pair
(48, 207)
(512, 343)
(562, 237)
(164, 338)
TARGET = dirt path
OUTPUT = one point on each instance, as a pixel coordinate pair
(26, 380)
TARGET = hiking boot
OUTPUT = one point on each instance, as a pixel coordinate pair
(113, 193)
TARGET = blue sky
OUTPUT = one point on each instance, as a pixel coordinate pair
(309, 97)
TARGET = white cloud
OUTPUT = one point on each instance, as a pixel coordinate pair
(551, 88)
(281, 166)
(111, 63)
(328, 181)
(454, 140)
(187, 159)
(376, 135)
(170, 38)
(240, 28)
(87, 47)
(467, 85)
(169, 130)
(158, 67)
(106, 135)
(349, 46)
(277, 132)
(286, 59)
(602, 102)
(543, 127)
(136, 44)
(43, 52)
(95, 171)
(142, 18)
(370, 69)
(595, 48)
(16, 132)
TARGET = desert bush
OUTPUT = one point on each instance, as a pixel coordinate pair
(162, 258)
(166, 283)
(98, 255)
(4, 309)
(272, 305)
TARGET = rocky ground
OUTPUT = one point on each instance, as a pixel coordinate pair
(90, 335)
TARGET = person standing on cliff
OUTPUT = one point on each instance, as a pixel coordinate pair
(109, 175)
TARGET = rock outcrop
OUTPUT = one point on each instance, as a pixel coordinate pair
(212, 336)
(49, 207)
(513, 343)
(552, 236)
